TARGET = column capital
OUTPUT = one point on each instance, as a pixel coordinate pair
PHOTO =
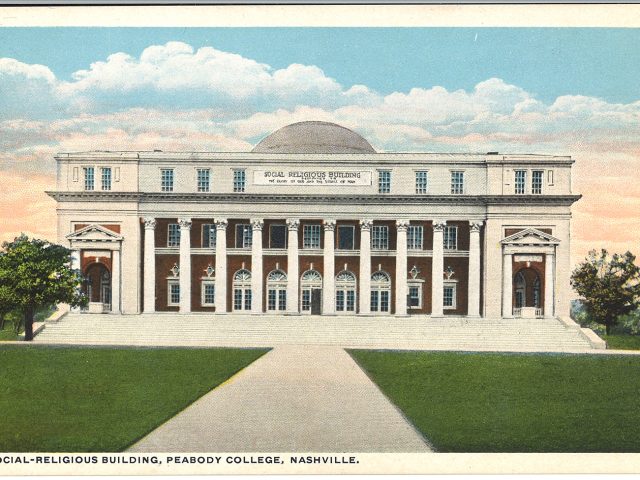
(149, 223)
(475, 225)
(185, 223)
(438, 225)
(220, 223)
(329, 224)
(366, 224)
(293, 224)
(257, 223)
(402, 225)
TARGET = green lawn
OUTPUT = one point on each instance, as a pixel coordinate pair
(477, 402)
(622, 342)
(7, 333)
(101, 399)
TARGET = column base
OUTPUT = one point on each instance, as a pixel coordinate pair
(473, 316)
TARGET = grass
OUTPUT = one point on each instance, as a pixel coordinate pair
(101, 399)
(7, 334)
(477, 402)
(622, 341)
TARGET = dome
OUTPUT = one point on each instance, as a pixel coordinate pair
(313, 137)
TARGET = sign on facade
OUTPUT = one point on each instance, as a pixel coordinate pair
(312, 177)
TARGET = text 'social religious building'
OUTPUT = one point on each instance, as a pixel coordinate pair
(314, 221)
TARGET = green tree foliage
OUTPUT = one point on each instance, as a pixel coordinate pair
(36, 274)
(609, 286)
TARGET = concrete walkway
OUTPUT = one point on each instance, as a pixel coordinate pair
(293, 399)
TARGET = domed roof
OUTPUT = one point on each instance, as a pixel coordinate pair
(313, 137)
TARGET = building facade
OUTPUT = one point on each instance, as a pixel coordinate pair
(314, 221)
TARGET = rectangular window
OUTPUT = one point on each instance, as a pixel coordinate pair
(311, 236)
(173, 235)
(247, 299)
(278, 236)
(374, 300)
(421, 182)
(306, 300)
(345, 237)
(271, 299)
(174, 292)
(208, 235)
(449, 296)
(380, 237)
(520, 182)
(457, 183)
(351, 300)
(106, 178)
(239, 180)
(536, 182)
(89, 178)
(384, 301)
(244, 235)
(208, 293)
(340, 300)
(450, 238)
(282, 299)
(237, 299)
(415, 235)
(415, 296)
(384, 181)
(166, 179)
(203, 175)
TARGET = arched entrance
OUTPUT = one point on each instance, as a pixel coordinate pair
(276, 291)
(527, 291)
(345, 292)
(380, 292)
(97, 285)
(242, 290)
(311, 292)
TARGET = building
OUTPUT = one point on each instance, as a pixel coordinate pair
(314, 221)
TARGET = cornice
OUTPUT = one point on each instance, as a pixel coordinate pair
(376, 199)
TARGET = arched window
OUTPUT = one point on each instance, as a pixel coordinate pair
(345, 291)
(242, 290)
(276, 291)
(380, 291)
(311, 280)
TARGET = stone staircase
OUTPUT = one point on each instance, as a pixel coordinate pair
(410, 333)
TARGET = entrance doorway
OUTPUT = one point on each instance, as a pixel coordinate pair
(276, 291)
(527, 291)
(345, 292)
(242, 290)
(311, 292)
(97, 285)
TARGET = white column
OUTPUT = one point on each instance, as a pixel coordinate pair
(221, 265)
(149, 300)
(115, 281)
(549, 287)
(256, 266)
(402, 287)
(75, 265)
(473, 308)
(185, 264)
(365, 266)
(329, 276)
(507, 285)
(292, 266)
(437, 268)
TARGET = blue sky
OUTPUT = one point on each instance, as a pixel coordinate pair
(547, 62)
(566, 91)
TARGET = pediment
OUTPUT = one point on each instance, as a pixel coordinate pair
(530, 236)
(94, 233)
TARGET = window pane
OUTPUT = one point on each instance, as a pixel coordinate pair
(173, 238)
(340, 300)
(271, 299)
(457, 182)
(384, 301)
(89, 179)
(239, 180)
(384, 181)
(203, 180)
(247, 299)
(448, 296)
(166, 180)
(450, 238)
(311, 236)
(415, 234)
(520, 181)
(282, 299)
(278, 236)
(345, 238)
(306, 300)
(106, 179)
(244, 235)
(351, 300)
(380, 237)
(374, 300)
(421, 182)
(237, 299)
(536, 182)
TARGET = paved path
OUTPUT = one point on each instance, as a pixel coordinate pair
(293, 399)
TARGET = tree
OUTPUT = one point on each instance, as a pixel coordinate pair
(609, 286)
(35, 274)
